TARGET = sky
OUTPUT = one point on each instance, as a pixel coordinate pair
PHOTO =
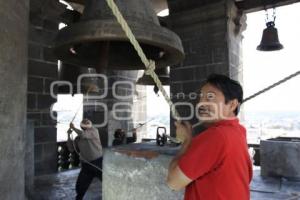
(157, 101)
(69, 107)
(261, 69)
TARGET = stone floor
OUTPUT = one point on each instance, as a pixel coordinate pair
(268, 188)
(61, 187)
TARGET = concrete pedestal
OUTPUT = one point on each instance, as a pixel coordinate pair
(280, 157)
(138, 171)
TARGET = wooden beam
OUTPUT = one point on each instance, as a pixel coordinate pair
(158, 5)
(257, 5)
(76, 1)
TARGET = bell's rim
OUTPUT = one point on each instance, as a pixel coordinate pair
(110, 30)
(274, 47)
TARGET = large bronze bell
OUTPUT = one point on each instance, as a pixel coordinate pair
(163, 75)
(270, 41)
(98, 40)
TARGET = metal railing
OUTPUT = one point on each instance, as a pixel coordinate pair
(66, 160)
(256, 156)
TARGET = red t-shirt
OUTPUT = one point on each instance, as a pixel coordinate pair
(218, 162)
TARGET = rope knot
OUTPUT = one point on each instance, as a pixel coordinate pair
(150, 67)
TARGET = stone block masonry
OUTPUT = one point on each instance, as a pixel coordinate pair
(42, 71)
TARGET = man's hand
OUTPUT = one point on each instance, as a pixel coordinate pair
(184, 131)
(72, 126)
(176, 178)
(78, 131)
(69, 131)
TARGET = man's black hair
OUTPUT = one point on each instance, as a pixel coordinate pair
(231, 89)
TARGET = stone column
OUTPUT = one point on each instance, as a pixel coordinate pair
(29, 159)
(13, 84)
(211, 36)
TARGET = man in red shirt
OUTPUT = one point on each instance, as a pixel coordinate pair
(215, 164)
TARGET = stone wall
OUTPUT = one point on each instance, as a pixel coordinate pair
(42, 71)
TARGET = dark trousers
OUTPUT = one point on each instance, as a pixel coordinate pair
(86, 175)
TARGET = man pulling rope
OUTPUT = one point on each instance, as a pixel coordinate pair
(88, 145)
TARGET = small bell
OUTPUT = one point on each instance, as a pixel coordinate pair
(88, 85)
(270, 41)
(163, 75)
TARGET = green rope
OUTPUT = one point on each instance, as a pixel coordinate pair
(149, 64)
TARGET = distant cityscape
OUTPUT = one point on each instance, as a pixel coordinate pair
(259, 125)
(271, 124)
